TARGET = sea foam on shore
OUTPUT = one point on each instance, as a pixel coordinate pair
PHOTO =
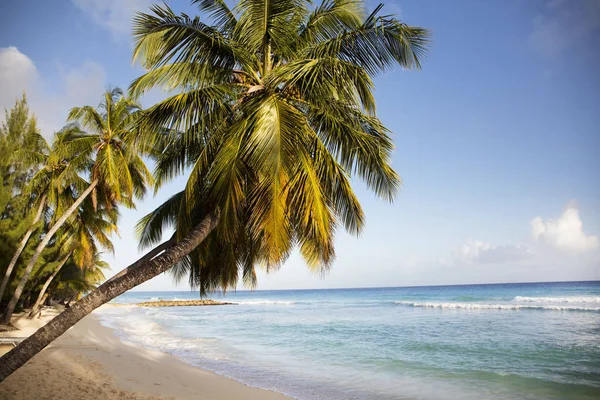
(89, 361)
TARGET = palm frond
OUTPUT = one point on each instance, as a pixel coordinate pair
(164, 36)
(150, 228)
(219, 12)
(376, 46)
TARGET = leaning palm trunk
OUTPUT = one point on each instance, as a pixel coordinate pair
(38, 251)
(39, 301)
(147, 257)
(22, 245)
(106, 292)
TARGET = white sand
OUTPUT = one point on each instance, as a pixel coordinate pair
(90, 362)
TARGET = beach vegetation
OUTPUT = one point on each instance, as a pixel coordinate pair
(271, 114)
(93, 156)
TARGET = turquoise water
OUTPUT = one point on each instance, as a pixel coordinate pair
(511, 341)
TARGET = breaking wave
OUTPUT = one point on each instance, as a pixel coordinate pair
(574, 299)
(480, 306)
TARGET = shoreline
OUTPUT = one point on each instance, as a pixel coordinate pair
(89, 359)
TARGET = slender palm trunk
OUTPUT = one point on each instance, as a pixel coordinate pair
(106, 292)
(38, 251)
(35, 307)
(22, 245)
(43, 301)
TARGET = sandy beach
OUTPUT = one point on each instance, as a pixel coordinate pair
(89, 361)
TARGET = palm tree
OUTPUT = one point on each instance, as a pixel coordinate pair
(91, 227)
(36, 218)
(73, 281)
(274, 112)
(48, 183)
(116, 169)
(41, 295)
(17, 135)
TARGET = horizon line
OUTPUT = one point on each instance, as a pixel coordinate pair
(372, 287)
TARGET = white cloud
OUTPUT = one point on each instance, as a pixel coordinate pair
(113, 15)
(565, 233)
(17, 74)
(564, 23)
(553, 242)
(478, 252)
(80, 85)
(504, 254)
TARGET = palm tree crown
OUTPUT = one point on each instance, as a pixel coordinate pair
(113, 160)
(53, 179)
(274, 113)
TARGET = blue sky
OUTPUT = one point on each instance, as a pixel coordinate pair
(497, 137)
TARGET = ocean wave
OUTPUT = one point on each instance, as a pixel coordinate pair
(165, 315)
(570, 299)
(479, 306)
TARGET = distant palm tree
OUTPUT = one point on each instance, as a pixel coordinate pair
(90, 228)
(274, 111)
(47, 183)
(116, 169)
(42, 293)
(73, 281)
(19, 134)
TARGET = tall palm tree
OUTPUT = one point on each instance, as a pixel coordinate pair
(275, 110)
(116, 169)
(19, 134)
(91, 227)
(49, 181)
(274, 113)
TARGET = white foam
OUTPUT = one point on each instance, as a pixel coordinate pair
(163, 315)
(483, 306)
(570, 299)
